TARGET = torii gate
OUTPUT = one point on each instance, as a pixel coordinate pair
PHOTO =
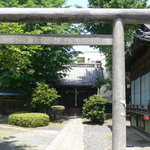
(118, 17)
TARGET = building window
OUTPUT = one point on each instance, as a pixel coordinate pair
(140, 90)
(145, 89)
(133, 92)
(137, 91)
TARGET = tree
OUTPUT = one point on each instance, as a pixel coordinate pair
(28, 65)
(32, 3)
(100, 82)
(14, 59)
(43, 97)
(107, 28)
(96, 28)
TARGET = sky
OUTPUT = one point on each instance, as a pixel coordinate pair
(84, 4)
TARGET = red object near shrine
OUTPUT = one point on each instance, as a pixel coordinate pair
(146, 117)
(74, 112)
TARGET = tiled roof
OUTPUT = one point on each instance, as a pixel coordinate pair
(143, 33)
(82, 75)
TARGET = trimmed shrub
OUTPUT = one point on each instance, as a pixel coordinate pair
(57, 108)
(56, 111)
(26, 119)
(94, 108)
(43, 97)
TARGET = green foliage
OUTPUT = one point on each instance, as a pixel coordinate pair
(94, 108)
(108, 108)
(11, 56)
(117, 3)
(26, 65)
(32, 3)
(56, 111)
(96, 28)
(43, 97)
(100, 82)
(80, 59)
(26, 119)
(107, 28)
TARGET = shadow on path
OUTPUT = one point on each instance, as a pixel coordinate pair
(136, 138)
(5, 144)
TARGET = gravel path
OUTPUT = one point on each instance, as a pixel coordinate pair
(28, 138)
(36, 140)
(97, 137)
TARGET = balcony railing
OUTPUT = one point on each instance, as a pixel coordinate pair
(139, 109)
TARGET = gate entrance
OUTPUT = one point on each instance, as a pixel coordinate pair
(118, 17)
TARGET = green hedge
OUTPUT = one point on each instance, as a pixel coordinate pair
(57, 108)
(94, 108)
(56, 112)
(26, 119)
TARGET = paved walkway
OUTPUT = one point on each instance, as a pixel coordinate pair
(70, 138)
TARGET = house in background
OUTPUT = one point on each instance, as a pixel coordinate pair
(11, 101)
(97, 57)
(78, 85)
(79, 82)
(138, 68)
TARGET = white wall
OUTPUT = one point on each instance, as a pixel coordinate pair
(97, 56)
(92, 56)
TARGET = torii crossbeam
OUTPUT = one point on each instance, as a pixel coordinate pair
(118, 17)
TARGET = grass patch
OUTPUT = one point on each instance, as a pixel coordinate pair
(108, 116)
(55, 124)
(109, 119)
(109, 137)
(58, 123)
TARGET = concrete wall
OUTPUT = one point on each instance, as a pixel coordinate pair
(91, 57)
